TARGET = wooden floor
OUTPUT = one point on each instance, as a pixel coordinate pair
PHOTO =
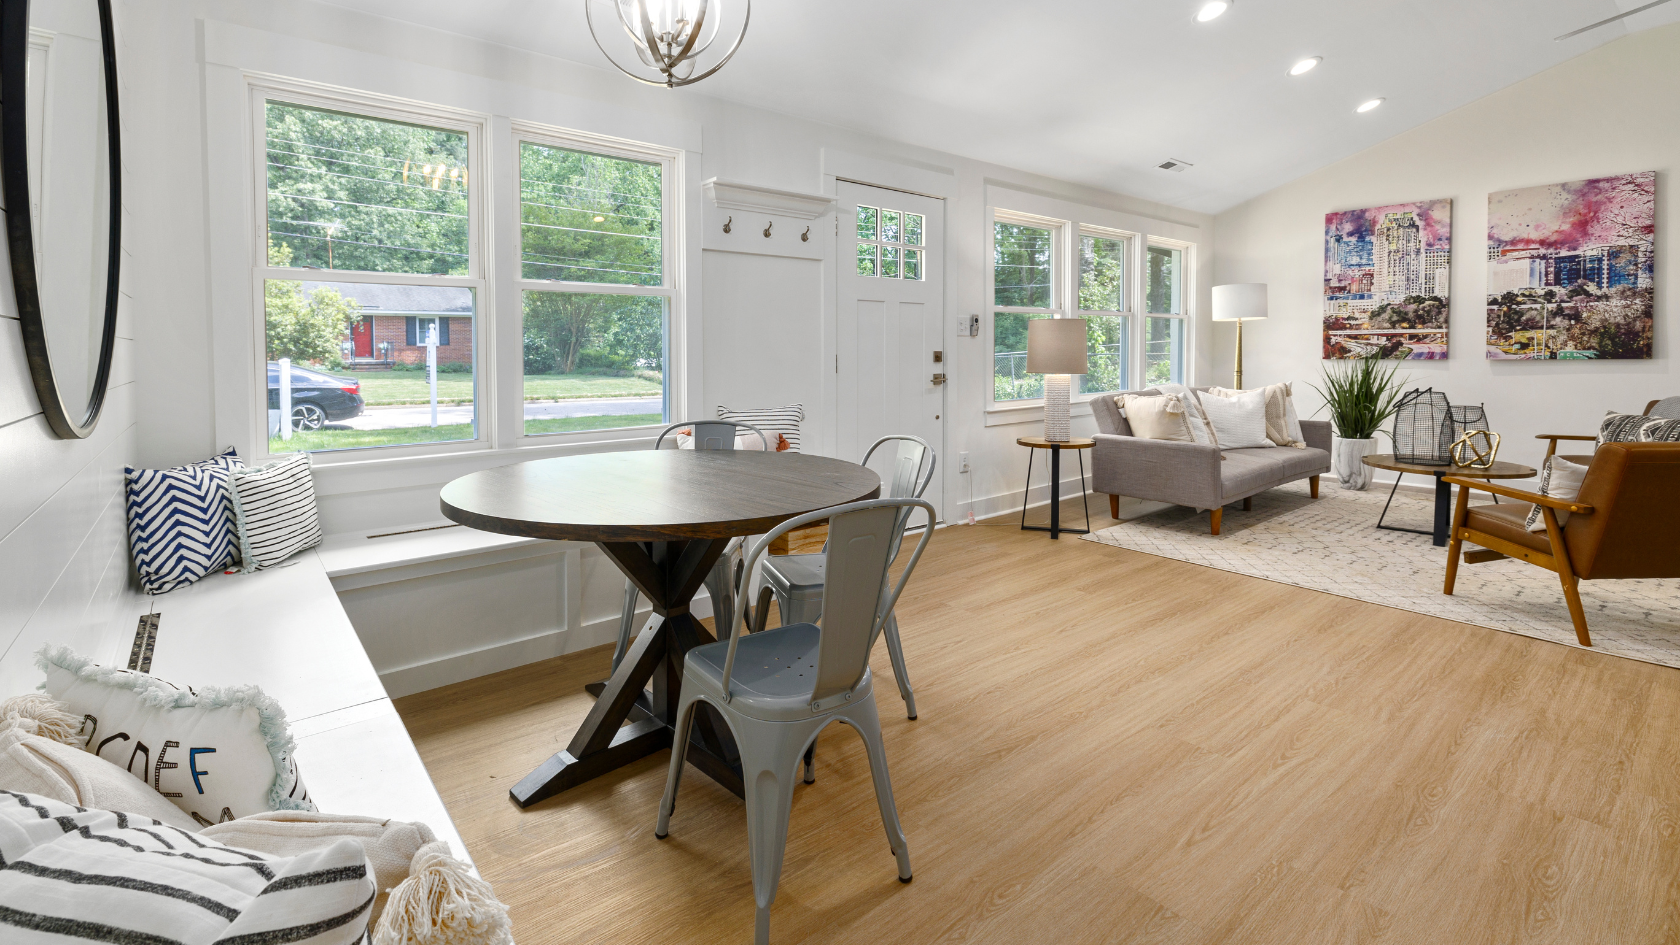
(1115, 747)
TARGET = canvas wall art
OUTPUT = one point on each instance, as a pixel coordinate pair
(1386, 281)
(1570, 269)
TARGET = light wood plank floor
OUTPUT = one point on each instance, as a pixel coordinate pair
(1115, 747)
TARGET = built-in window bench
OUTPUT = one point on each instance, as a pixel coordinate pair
(284, 630)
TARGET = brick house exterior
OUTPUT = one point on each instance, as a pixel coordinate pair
(400, 316)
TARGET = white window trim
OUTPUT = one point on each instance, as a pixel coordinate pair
(1058, 293)
(673, 172)
(1186, 316)
(1128, 294)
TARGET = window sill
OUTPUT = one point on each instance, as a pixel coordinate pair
(1031, 411)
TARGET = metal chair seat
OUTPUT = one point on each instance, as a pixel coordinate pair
(775, 673)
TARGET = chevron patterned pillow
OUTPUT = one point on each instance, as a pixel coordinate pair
(180, 521)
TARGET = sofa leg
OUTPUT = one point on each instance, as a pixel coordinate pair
(1312, 482)
(1216, 517)
(1248, 504)
(1114, 507)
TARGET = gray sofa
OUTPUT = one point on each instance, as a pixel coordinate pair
(1192, 474)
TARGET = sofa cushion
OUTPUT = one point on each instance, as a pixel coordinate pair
(1248, 471)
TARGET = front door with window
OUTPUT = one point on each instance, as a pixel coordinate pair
(890, 289)
(361, 337)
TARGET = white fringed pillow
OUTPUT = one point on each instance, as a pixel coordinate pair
(216, 753)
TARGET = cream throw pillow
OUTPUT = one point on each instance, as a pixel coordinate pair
(1561, 480)
(1239, 421)
(1199, 427)
(1156, 417)
(33, 764)
(1278, 409)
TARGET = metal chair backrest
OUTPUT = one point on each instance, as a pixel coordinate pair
(863, 538)
(1666, 409)
(712, 434)
(909, 479)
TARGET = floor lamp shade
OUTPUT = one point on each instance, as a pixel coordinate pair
(1056, 348)
(1235, 302)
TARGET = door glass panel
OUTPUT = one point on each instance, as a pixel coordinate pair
(866, 223)
(1102, 274)
(866, 259)
(593, 361)
(1021, 262)
(1163, 351)
(912, 264)
(889, 262)
(589, 218)
(889, 226)
(347, 393)
(913, 229)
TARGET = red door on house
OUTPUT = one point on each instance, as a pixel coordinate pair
(361, 337)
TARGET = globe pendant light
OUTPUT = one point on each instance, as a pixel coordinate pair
(669, 37)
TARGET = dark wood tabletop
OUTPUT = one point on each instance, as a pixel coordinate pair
(654, 495)
(1498, 470)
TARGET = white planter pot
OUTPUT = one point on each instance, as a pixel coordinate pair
(1350, 472)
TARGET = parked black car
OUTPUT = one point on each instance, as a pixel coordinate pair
(316, 398)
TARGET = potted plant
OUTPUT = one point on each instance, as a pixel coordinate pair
(1361, 395)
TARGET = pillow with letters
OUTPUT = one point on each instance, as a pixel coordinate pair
(74, 874)
(216, 753)
(180, 521)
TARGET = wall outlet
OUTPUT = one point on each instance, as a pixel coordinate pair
(962, 462)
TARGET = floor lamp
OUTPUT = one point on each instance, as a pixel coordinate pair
(1056, 349)
(1235, 302)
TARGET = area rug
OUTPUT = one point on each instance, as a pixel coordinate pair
(1331, 545)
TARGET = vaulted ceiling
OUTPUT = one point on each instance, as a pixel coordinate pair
(1099, 92)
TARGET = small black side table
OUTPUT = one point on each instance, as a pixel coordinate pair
(1040, 443)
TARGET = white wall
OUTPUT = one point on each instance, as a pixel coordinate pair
(64, 564)
(1613, 110)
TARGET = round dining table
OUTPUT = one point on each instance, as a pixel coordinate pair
(664, 517)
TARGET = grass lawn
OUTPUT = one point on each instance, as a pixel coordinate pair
(354, 439)
(385, 388)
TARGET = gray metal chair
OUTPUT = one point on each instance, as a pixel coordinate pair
(777, 689)
(797, 580)
(720, 581)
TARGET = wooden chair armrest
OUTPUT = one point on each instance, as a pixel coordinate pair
(1554, 437)
(1522, 495)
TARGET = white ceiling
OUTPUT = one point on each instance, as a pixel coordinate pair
(1100, 91)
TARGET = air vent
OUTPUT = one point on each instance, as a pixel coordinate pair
(1175, 165)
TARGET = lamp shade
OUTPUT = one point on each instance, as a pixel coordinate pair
(1056, 346)
(1239, 300)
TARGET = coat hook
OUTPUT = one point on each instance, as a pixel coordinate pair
(805, 237)
(767, 225)
(726, 224)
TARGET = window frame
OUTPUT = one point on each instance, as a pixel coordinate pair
(1128, 296)
(1058, 288)
(263, 90)
(1185, 316)
(672, 169)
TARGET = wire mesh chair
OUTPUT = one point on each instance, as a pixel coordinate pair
(720, 581)
(1423, 428)
(776, 690)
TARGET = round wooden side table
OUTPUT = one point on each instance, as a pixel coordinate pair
(1443, 490)
(1040, 443)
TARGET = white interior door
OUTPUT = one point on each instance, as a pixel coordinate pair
(890, 283)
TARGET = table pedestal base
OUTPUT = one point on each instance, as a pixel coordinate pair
(635, 711)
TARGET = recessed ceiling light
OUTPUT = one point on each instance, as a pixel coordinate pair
(1212, 10)
(1305, 66)
(1373, 103)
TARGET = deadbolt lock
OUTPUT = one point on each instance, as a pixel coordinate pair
(938, 357)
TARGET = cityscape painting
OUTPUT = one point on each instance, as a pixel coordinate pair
(1570, 269)
(1387, 273)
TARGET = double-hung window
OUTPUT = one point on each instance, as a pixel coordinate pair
(595, 284)
(1024, 288)
(1164, 325)
(1104, 303)
(371, 278)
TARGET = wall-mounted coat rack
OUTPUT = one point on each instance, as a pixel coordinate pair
(792, 209)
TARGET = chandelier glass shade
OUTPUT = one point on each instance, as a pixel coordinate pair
(669, 37)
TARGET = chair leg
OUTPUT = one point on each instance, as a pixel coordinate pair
(867, 721)
(625, 620)
(811, 763)
(1566, 574)
(1455, 544)
(895, 650)
(761, 614)
(722, 591)
(767, 770)
(1312, 483)
(1577, 613)
(1114, 507)
(1216, 519)
(673, 776)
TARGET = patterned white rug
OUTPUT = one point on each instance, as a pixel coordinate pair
(1332, 545)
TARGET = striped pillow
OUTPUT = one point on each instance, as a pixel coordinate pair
(74, 874)
(772, 420)
(180, 521)
(274, 507)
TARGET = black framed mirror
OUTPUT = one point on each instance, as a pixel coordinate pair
(61, 179)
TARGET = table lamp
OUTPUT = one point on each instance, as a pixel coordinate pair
(1235, 302)
(1056, 349)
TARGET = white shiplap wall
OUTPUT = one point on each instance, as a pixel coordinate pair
(64, 563)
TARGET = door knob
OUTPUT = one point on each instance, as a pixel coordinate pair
(938, 379)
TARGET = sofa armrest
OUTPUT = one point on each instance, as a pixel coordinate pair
(1157, 470)
(1316, 433)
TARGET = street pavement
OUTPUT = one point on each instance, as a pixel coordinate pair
(409, 415)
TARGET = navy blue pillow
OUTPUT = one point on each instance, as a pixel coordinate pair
(180, 521)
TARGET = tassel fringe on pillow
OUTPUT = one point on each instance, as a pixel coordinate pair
(442, 903)
(40, 714)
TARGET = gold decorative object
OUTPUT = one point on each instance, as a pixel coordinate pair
(1476, 449)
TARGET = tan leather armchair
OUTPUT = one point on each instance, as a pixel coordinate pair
(1625, 524)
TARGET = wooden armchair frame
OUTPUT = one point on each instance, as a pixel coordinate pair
(1557, 561)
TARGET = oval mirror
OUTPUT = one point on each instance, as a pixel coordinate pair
(59, 145)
